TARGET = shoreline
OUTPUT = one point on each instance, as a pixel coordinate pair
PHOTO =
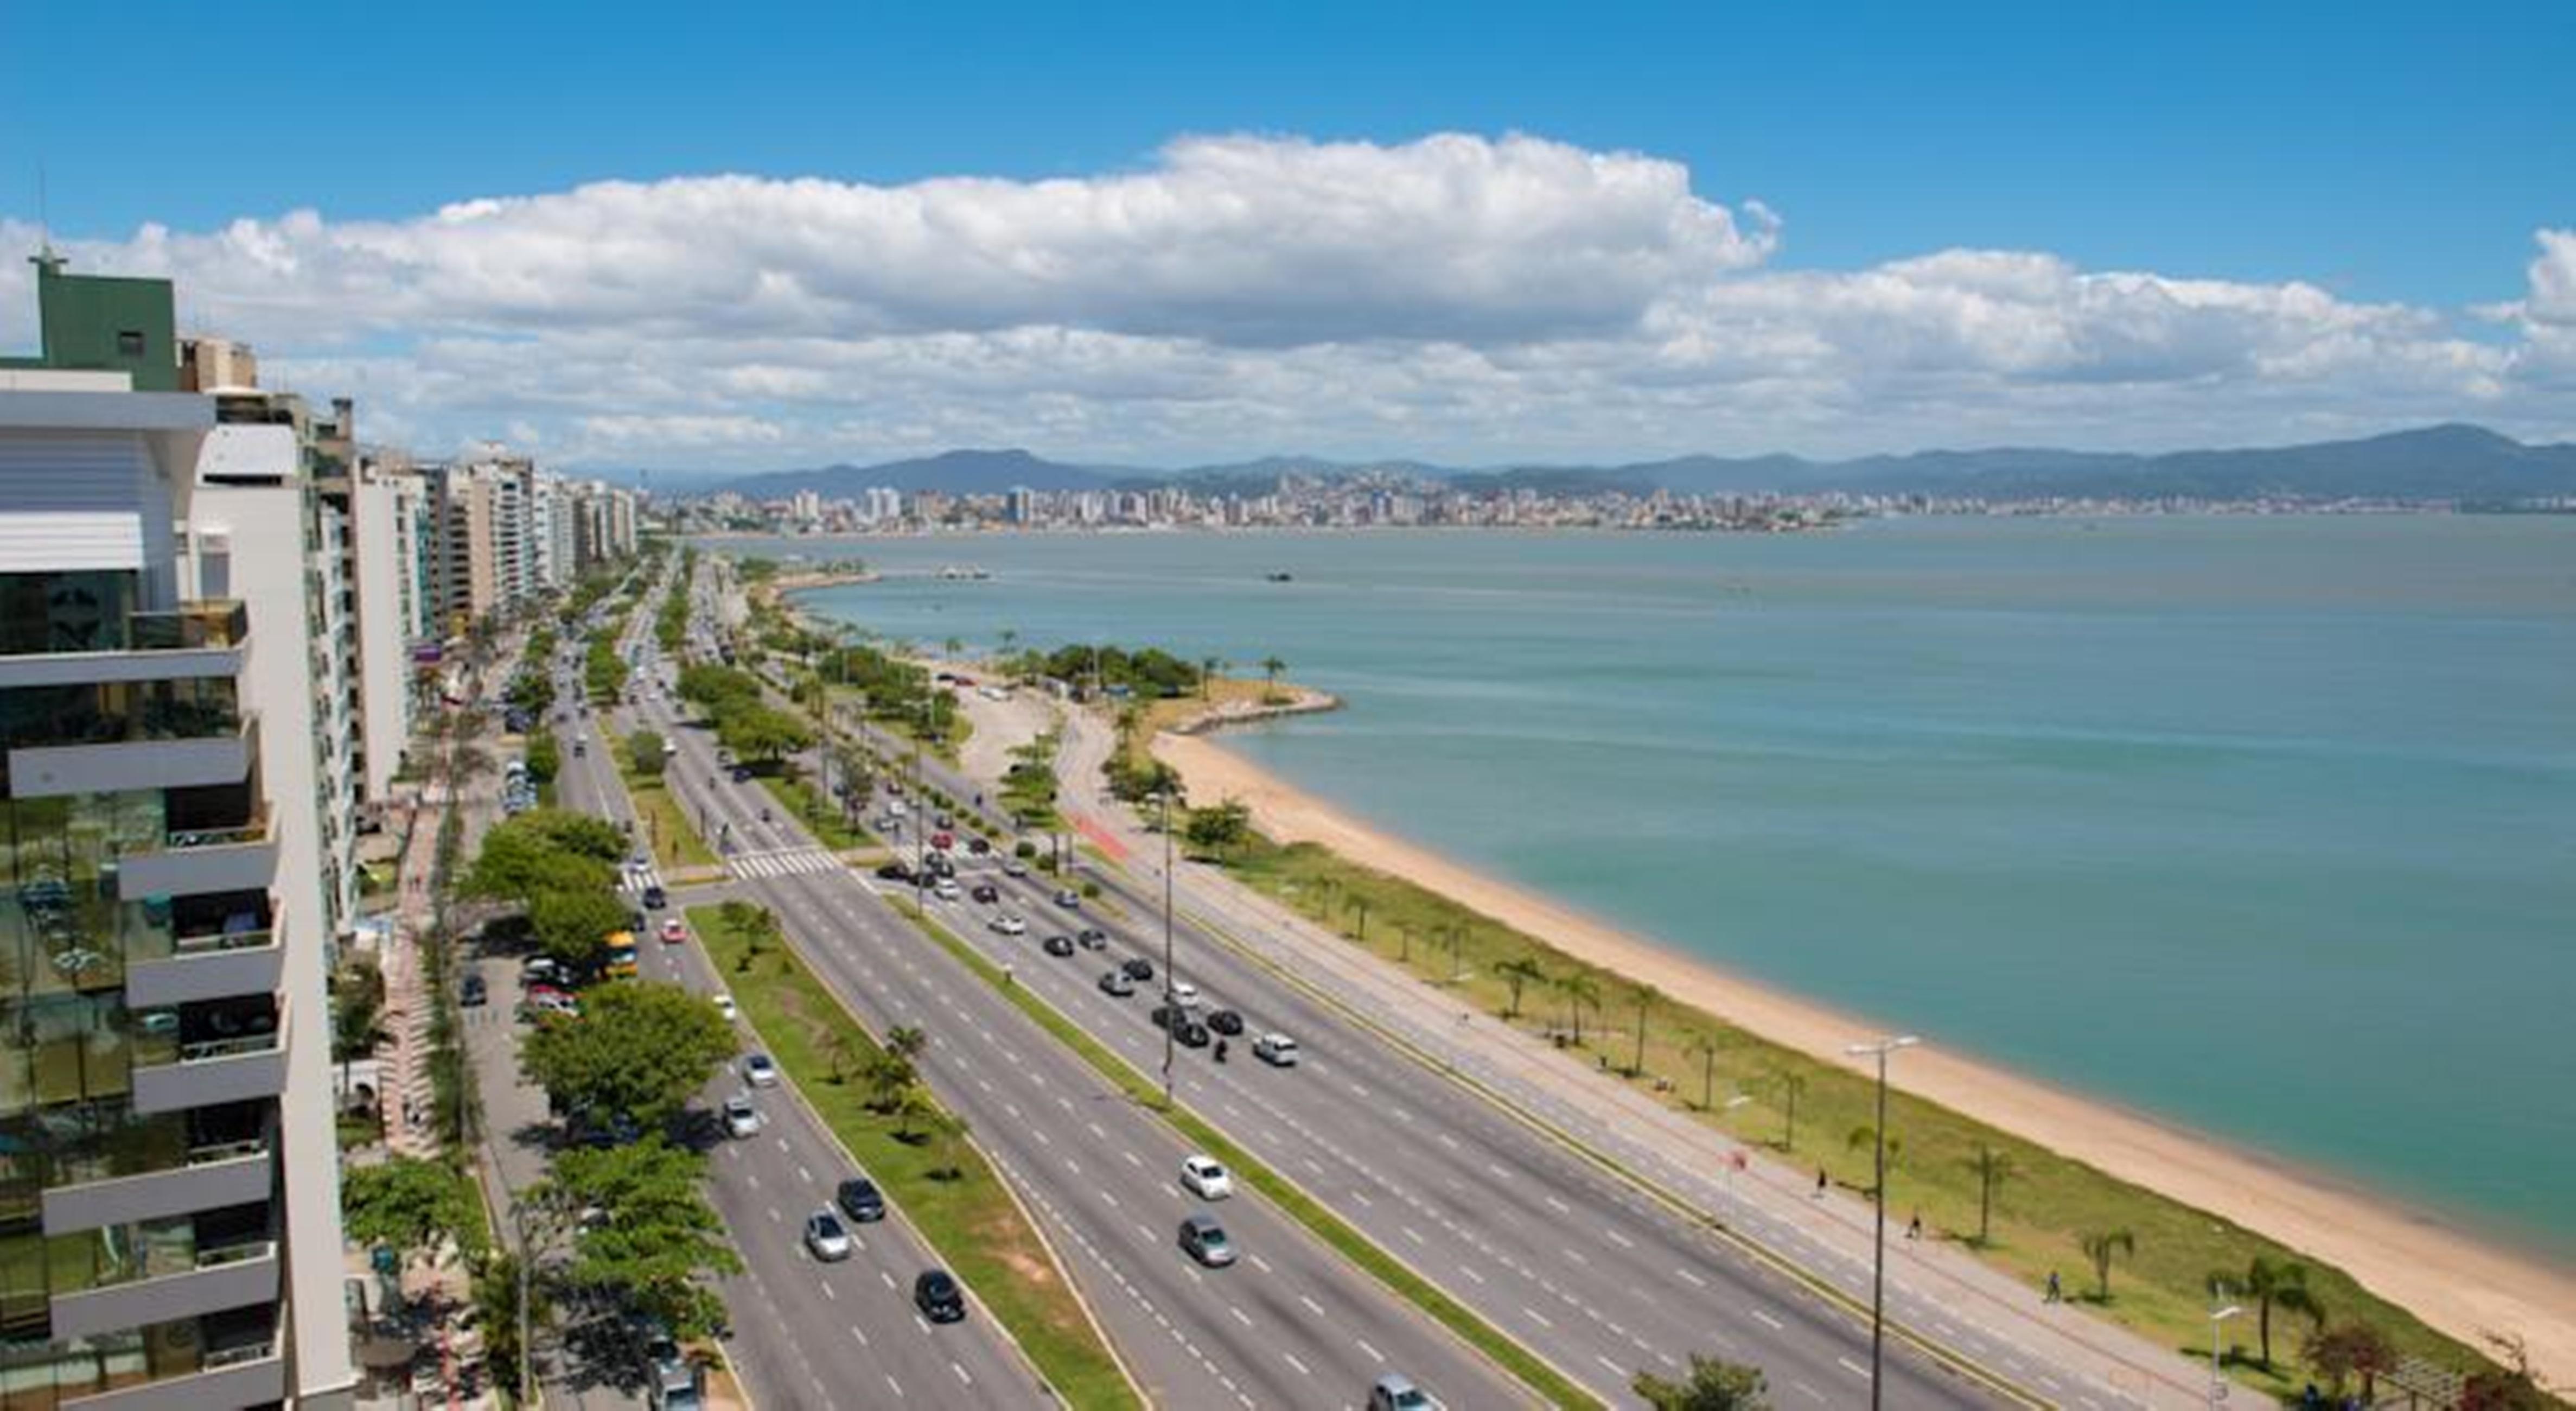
(2455, 1279)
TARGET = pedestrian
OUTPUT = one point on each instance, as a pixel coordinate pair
(2055, 1294)
(1820, 1183)
(1914, 1231)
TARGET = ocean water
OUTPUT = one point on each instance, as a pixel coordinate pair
(2265, 826)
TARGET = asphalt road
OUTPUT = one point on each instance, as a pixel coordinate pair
(807, 1333)
(1576, 1264)
(1290, 1325)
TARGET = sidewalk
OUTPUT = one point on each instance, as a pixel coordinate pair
(2062, 1354)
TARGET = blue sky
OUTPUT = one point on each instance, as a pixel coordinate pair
(2385, 155)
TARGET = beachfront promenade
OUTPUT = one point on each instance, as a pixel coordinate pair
(2053, 1351)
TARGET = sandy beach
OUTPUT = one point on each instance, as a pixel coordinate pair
(2452, 1279)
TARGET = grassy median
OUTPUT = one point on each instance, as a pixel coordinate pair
(1532, 1370)
(800, 800)
(967, 1217)
(666, 825)
(2042, 1208)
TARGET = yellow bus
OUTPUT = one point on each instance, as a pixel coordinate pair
(621, 955)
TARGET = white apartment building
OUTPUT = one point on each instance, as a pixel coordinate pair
(171, 1237)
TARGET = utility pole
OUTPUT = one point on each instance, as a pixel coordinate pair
(1171, 1007)
(1878, 1264)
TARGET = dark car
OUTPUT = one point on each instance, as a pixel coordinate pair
(1115, 983)
(860, 1200)
(1093, 938)
(471, 992)
(946, 823)
(742, 773)
(1225, 1021)
(895, 872)
(655, 898)
(987, 893)
(938, 1297)
(1205, 1241)
(1059, 945)
(1191, 1034)
(1139, 969)
(979, 846)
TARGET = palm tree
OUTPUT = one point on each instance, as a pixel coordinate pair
(1580, 989)
(906, 1042)
(2283, 1285)
(1705, 1044)
(954, 645)
(914, 1107)
(1518, 971)
(1207, 674)
(1645, 995)
(1792, 1084)
(1271, 666)
(951, 1129)
(1991, 1168)
(1866, 1135)
(889, 1076)
(2099, 1246)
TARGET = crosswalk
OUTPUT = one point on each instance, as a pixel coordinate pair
(781, 862)
(640, 876)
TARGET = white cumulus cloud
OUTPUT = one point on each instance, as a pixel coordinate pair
(1458, 296)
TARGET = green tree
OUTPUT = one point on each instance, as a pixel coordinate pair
(651, 1240)
(2269, 1284)
(496, 1290)
(1645, 996)
(545, 758)
(644, 753)
(1517, 972)
(914, 1107)
(1992, 1168)
(906, 1041)
(1792, 1085)
(357, 1014)
(545, 849)
(573, 924)
(2101, 1247)
(951, 1129)
(1711, 1385)
(640, 1049)
(1271, 666)
(1865, 1136)
(410, 1205)
(889, 1076)
(2350, 1349)
(1219, 829)
(1208, 667)
(1580, 989)
(1704, 1045)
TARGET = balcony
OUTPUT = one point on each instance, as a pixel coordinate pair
(203, 1054)
(211, 623)
(162, 746)
(237, 858)
(207, 967)
(198, 639)
(244, 1374)
(223, 1277)
(210, 1176)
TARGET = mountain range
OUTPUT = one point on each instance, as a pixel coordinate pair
(2449, 463)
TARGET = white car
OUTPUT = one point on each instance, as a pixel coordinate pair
(1182, 993)
(724, 1006)
(741, 1119)
(1010, 926)
(1277, 1050)
(1013, 867)
(946, 890)
(826, 1236)
(1205, 1178)
(759, 1071)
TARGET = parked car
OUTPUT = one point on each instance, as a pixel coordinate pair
(938, 1297)
(1013, 867)
(861, 1200)
(725, 1006)
(1204, 1240)
(1205, 1178)
(1278, 1050)
(979, 846)
(1116, 984)
(471, 992)
(895, 871)
(826, 1236)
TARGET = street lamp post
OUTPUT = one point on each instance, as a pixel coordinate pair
(1735, 1157)
(2217, 1382)
(1878, 1242)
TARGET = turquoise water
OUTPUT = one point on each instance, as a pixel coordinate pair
(2267, 826)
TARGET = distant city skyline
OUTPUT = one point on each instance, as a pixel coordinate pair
(1159, 237)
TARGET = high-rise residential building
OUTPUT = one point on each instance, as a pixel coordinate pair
(169, 1187)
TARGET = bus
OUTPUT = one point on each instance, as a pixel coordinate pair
(621, 955)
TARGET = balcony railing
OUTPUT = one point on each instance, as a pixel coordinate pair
(197, 626)
(240, 1253)
(255, 831)
(208, 1050)
(216, 1359)
(224, 941)
(213, 1153)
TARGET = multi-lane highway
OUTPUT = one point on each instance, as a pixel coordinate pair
(808, 1333)
(1291, 1324)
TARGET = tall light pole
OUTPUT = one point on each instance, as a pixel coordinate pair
(2218, 1383)
(1878, 1252)
(1171, 1017)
